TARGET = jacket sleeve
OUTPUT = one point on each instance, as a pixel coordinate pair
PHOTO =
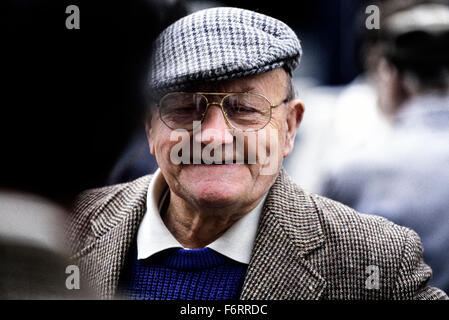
(413, 273)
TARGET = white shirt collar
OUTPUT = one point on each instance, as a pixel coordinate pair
(153, 236)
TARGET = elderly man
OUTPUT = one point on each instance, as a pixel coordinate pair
(220, 219)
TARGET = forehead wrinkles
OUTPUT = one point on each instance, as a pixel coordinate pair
(273, 84)
(270, 83)
(241, 85)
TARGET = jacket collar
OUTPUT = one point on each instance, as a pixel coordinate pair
(289, 229)
(114, 228)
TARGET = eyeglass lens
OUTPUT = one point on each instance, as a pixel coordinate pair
(243, 110)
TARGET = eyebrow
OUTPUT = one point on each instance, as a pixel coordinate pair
(247, 89)
(214, 88)
(244, 89)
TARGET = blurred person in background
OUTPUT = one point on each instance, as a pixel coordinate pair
(404, 176)
(71, 99)
(342, 107)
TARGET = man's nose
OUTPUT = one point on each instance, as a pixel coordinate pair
(214, 127)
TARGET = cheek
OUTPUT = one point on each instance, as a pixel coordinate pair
(279, 133)
(270, 143)
(162, 142)
(283, 143)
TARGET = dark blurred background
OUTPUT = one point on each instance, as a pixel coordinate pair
(71, 99)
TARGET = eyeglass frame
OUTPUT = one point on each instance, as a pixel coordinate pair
(225, 95)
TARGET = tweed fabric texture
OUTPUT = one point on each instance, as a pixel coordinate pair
(218, 44)
(182, 274)
(307, 246)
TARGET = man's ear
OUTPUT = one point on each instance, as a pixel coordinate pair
(295, 112)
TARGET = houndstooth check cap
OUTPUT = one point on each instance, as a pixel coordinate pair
(218, 44)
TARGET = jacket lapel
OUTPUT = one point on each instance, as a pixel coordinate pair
(114, 230)
(289, 229)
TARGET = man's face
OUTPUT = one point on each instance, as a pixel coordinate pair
(231, 185)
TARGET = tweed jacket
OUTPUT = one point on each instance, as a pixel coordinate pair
(307, 246)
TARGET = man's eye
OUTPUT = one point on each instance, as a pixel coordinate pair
(246, 109)
(185, 109)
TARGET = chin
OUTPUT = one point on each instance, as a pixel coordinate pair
(218, 191)
(228, 174)
(213, 200)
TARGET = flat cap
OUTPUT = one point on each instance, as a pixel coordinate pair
(218, 44)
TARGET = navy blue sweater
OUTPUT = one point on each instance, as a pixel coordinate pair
(196, 274)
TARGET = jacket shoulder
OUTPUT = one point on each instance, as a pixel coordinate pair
(360, 245)
(351, 223)
(102, 204)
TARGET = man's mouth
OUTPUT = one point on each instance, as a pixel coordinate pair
(222, 162)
